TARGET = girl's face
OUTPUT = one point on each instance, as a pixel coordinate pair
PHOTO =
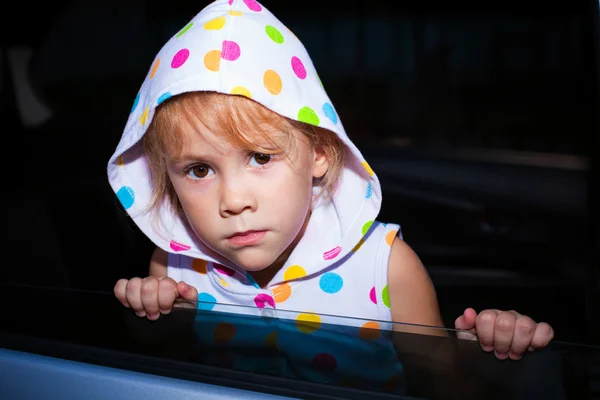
(249, 207)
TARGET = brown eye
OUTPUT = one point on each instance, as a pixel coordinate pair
(261, 159)
(199, 171)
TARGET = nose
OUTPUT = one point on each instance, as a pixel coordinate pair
(236, 197)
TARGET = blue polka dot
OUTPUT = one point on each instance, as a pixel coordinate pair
(126, 196)
(163, 97)
(206, 302)
(331, 282)
(252, 281)
(369, 191)
(330, 112)
(135, 102)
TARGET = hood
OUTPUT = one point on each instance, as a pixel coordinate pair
(239, 47)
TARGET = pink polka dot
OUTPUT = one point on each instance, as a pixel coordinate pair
(224, 270)
(230, 2)
(333, 253)
(176, 246)
(373, 295)
(230, 50)
(324, 362)
(252, 5)
(298, 68)
(262, 299)
(180, 58)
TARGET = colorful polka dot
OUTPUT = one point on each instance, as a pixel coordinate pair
(271, 340)
(240, 90)
(333, 253)
(274, 34)
(294, 272)
(330, 113)
(199, 266)
(320, 83)
(390, 236)
(308, 323)
(206, 302)
(120, 161)
(262, 299)
(230, 2)
(282, 292)
(369, 331)
(154, 68)
(253, 5)
(298, 68)
(230, 50)
(366, 227)
(324, 362)
(224, 332)
(331, 282)
(369, 191)
(184, 30)
(144, 116)
(272, 82)
(235, 13)
(252, 280)
(180, 58)
(135, 102)
(385, 296)
(126, 196)
(176, 246)
(223, 283)
(359, 244)
(308, 115)
(212, 60)
(367, 167)
(224, 270)
(373, 295)
(163, 97)
(215, 24)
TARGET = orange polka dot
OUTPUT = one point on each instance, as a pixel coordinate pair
(224, 333)
(369, 331)
(212, 60)
(154, 68)
(199, 265)
(120, 161)
(359, 244)
(144, 117)
(390, 236)
(282, 292)
(271, 340)
(367, 167)
(272, 82)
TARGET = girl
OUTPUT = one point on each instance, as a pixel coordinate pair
(236, 165)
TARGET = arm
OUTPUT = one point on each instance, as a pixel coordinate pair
(158, 263)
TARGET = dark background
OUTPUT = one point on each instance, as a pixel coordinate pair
(480, 122)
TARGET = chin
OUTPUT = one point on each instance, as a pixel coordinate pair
(253, 260)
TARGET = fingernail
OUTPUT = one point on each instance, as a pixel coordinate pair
(154, 316)
(514, 356)
(487, 348)
(531, 348)
(140, 313)
(165, 311)
(500, 356)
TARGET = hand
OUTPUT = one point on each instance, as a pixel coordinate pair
(152, 296)
(507, 333)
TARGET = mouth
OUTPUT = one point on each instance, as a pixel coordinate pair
(246, 238)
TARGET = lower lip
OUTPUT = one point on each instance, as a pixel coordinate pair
(248, 239)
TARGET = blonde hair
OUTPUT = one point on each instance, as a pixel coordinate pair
(242, 122)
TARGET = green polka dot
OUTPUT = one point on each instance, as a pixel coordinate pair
(308, 116)
(320, 83)
(274, 34)
(385, 295)
(366, 227)
(185, 29)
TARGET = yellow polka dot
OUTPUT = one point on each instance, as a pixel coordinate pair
(368, 168)
(212, 60)
(271, 340)
(120, 161)
(359, 244)
(224, 332)
(215, 24)
(369, 331)
(390, 236)
(199, 265)
(241, 91)
(294, 272)
(282, 292)
(144, 116)
(272, 82)
(222, 282)
(235, 13)
(154, 68)
(308, 323)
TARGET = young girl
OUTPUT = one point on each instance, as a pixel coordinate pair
(236, 165)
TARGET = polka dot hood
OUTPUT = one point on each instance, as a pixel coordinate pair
(239, 47)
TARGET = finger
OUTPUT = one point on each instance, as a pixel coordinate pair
(149, 294)
(524, 330)
(504, 330)
(188, 294)
(134, 286)
(542, 336)
(120, 291)
(484, 327)
(467, 320)
(167, 293)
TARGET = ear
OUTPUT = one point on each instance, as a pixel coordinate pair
(321, 163)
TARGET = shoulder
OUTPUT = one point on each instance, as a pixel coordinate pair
(412, 295)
